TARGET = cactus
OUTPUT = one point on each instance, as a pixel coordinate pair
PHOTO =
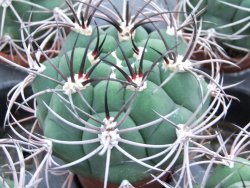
(124, 104)
(22, 20)
(21, 12)
(237, 172)
(115, 92)
(230, 166)
(6, 183)
(224, 22)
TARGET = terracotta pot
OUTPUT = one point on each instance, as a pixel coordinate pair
(88, 182)
(242, 62)
(21, 61)
(14, 58)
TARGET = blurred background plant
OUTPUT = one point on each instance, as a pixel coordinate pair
(225, 25)
(22, 22)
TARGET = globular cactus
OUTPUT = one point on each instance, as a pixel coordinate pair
(22, 20)
(23, 12)
(230, 165)
(235, 174)
(224, 22)
(121, 95)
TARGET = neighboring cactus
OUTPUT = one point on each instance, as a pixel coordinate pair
(236, 173)
(12, 163)
(19, 21)
(23, 12)
(224, 22)
(230, 165)
(6, 183)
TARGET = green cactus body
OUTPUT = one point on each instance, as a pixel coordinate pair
(9, 28)
(240, 15)
(120, 167)
(218, 14)
(139, 34)
(9, 182)
(127, 46)
(183, 94)
(24, 10)
(240, 184)
(81, 42)
(53, 128)
(50, 5)
(225, 176)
